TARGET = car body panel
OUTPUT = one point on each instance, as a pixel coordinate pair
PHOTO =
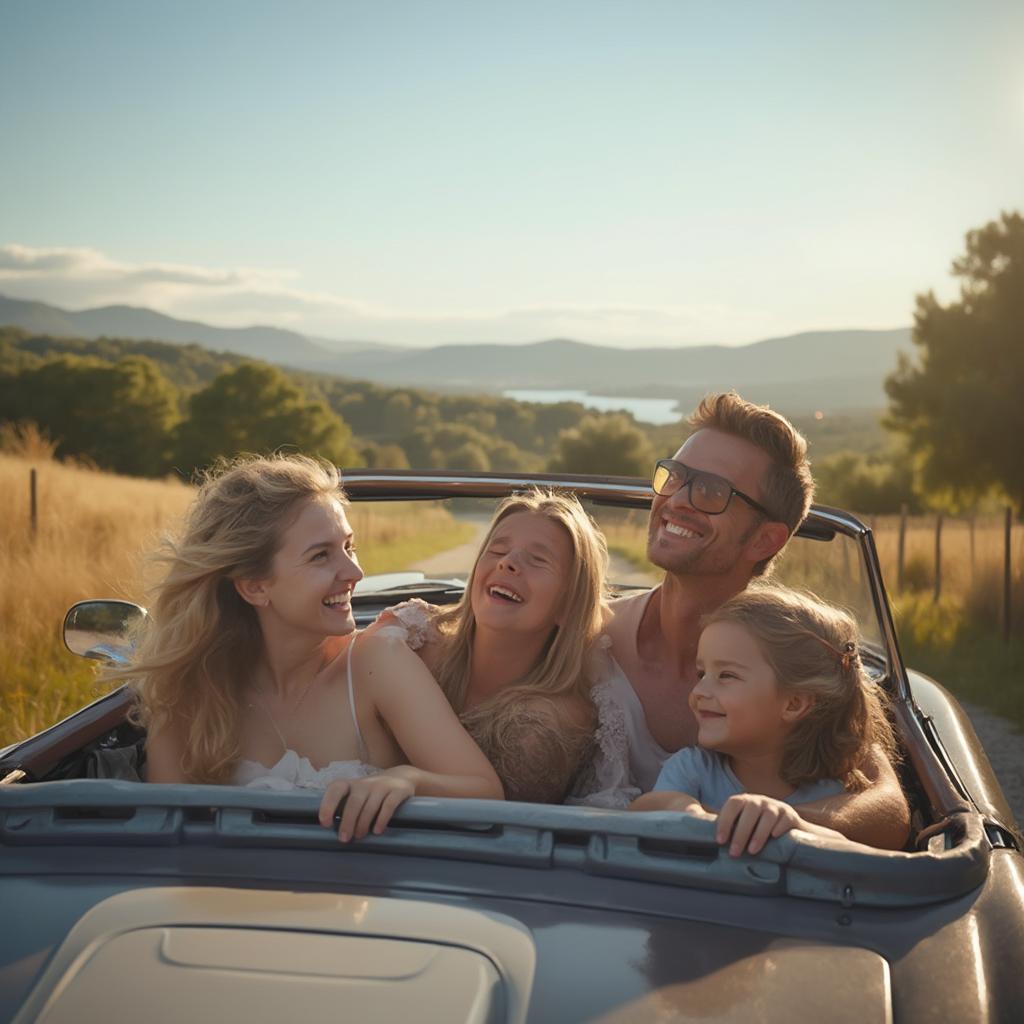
(623, 947)
(958, 745)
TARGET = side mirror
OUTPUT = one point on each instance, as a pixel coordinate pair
(103, 630)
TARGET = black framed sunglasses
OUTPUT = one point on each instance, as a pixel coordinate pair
(708, 492)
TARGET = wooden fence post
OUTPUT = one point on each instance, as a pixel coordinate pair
(33, 514)
(938, 558)
(1007, 579)
(971, 522)
(901, 547)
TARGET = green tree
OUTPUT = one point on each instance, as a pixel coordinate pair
(399, 412)
(118, 415)
(506, 457)
(469, 457)
(611, 445)
(959, 401)
(257, 408)
(383, 456)
(879, 486)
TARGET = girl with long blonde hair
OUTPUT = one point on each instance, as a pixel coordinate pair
(249, 671)
(786, 714)
(513, 656)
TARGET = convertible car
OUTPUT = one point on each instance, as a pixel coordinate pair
(211, 902)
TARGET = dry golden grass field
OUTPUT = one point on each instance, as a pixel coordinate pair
(93, 530)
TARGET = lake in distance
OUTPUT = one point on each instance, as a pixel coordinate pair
(647, 410)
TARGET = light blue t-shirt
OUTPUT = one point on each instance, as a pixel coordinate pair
(707, 777)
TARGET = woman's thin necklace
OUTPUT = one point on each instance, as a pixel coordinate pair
(298, 704)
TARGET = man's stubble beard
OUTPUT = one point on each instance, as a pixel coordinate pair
(692, 563)
(702, 562)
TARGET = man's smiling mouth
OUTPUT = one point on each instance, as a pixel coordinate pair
(678, 530)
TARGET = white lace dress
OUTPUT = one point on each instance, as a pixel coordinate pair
(627, 758)
(412, 622)
(293, 771)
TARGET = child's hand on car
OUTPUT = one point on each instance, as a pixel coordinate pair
(748, 820)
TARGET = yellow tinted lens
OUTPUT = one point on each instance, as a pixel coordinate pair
(661, 475)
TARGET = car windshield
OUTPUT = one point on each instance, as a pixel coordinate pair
(833, 569)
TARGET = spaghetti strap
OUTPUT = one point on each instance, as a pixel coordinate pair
(363, 752)
(280, 735)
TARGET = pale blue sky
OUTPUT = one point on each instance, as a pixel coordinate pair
(418, 172)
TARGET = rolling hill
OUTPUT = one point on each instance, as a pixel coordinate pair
(841, 369)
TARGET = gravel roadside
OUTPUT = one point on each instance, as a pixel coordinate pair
(1005, 749)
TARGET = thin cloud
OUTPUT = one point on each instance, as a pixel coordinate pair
(20, 260)
(233, 297)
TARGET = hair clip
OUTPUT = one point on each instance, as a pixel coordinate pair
(848, 655)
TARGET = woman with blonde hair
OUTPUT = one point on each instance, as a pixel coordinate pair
(250, 673)
(514, 656)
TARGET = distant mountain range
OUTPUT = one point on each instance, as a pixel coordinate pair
(274, 344)
(834, 370)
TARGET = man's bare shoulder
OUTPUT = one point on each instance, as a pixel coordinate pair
(626, 600)
(624, 612)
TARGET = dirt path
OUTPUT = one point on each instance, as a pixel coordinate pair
(460, 559)
(622, 571)
(457, 559)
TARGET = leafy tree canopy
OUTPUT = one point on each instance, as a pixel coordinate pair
(878, 486)
(257, 408)
(612, 445)
(383, 456)
(118, 415)
(959, 401)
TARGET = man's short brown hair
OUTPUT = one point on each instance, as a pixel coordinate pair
(788, 487)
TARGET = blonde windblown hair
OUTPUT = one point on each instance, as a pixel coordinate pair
(813, 649)
(203, 641)
(500, 724)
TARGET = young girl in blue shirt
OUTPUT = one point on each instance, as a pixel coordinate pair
(785, 713)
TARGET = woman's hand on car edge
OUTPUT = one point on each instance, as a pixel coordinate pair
(369, 803)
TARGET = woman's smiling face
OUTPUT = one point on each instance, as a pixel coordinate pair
(521, 575)
(315, 571)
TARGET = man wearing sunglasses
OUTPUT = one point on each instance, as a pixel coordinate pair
(724, 506)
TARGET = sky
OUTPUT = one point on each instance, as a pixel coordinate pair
(631, 173)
